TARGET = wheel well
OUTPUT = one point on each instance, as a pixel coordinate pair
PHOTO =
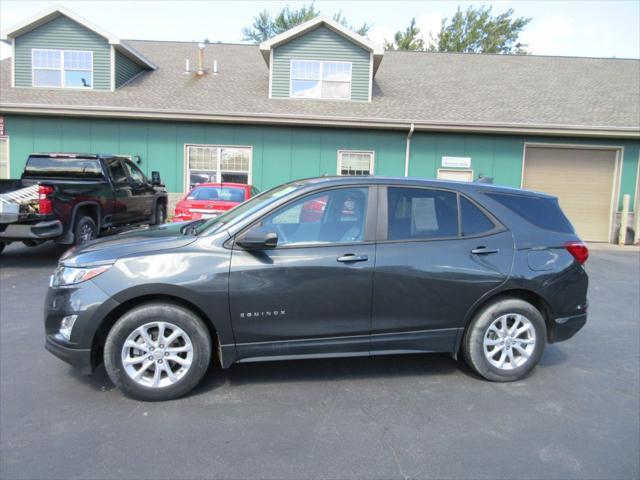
(87, 211)
(105, 327)
(526, 295)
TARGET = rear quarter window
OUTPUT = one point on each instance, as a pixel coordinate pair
(543, 212)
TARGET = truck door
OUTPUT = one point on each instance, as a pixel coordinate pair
(142, 193)
(122, 198)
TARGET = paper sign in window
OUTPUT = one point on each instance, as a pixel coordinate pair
(423, 215)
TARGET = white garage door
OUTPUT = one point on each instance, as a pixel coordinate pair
(582, 179)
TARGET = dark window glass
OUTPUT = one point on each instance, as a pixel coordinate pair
(542, 212)
(116, 170)
(335, 216)
(63, 167)
(474, 222)
(418, 213)
(135, 173)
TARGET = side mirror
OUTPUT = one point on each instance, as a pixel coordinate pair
(258, 238)
(155, 178)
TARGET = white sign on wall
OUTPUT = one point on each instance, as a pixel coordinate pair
(456, 162)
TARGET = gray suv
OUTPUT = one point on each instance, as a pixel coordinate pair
(325, 267)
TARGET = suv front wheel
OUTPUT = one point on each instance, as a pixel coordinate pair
(505, 340)
(157, 351)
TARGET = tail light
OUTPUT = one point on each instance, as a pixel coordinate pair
(579, 251)
(45, 205)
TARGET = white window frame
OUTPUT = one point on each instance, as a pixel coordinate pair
(368, 152)
(6, 138)
(321, 80)
(62, 70)
(218, 171)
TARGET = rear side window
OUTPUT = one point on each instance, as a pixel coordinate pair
(540, 211)
(63, 167)
(418, 213)
(116, 170)
(474, 222)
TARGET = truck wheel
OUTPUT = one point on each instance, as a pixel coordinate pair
(85, 230)
(161, 214)
(157, 351)
(505, 340)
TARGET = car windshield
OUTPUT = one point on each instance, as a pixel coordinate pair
(245, 209)
(224, 194)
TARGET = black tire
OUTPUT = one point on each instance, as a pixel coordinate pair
(2, 245)
(161, 214)
(473, 341)
(85, 230)
(148, 313)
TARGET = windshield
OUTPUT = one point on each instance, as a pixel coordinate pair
(246, 209)
(224, 194)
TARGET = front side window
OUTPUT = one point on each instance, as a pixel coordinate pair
(135, 173)
(314, 79)
(335, 216)
(421, 214)
(355, 163)
(217, 164)
(62, 68)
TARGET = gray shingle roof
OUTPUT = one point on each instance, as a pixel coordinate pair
(424, 88)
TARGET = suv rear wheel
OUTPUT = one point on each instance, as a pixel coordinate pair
(157, 351)
(505, 340)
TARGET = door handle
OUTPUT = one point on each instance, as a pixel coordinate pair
(350, 258)
(484, 251)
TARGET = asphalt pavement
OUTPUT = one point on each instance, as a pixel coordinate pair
(416, 416)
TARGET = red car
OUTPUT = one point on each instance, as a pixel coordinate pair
(207, 200)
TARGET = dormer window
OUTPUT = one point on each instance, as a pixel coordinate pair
(62, 68)
(315, 79)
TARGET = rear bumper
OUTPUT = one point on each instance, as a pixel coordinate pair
(34, 231)
(79, 358)
(566, 327)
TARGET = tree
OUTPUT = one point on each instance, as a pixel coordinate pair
(410, 39)
(478, 31)
(264, 26)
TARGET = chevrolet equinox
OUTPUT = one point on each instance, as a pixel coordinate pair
(325, 267)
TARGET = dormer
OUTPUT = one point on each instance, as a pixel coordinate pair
(58, 49)
(321, 59)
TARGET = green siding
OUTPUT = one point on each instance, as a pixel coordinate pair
(281, 154)
(63, 33)
(126, 69)
(321, 44)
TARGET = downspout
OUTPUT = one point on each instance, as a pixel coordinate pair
(407, 153)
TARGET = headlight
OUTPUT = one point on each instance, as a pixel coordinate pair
(64, 276)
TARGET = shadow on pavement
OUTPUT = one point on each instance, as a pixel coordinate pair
(18, 255)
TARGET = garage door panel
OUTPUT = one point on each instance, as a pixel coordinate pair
(582, 179)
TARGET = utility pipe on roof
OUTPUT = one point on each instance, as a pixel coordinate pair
(407, 153)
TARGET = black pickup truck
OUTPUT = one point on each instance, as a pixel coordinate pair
(72, 198)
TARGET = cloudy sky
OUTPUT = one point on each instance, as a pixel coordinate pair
(574, 28)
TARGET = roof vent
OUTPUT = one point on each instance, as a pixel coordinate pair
(200, 70)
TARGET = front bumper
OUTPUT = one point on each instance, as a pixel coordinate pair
(34, 231)
(79, 358)
(566, 327)
(91, 306)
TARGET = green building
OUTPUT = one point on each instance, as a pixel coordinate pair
(322, 100)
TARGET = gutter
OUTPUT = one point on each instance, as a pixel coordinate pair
(407, 152)
(324, 121)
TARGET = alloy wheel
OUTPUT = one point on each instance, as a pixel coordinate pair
(157, 354)
(509, 341)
